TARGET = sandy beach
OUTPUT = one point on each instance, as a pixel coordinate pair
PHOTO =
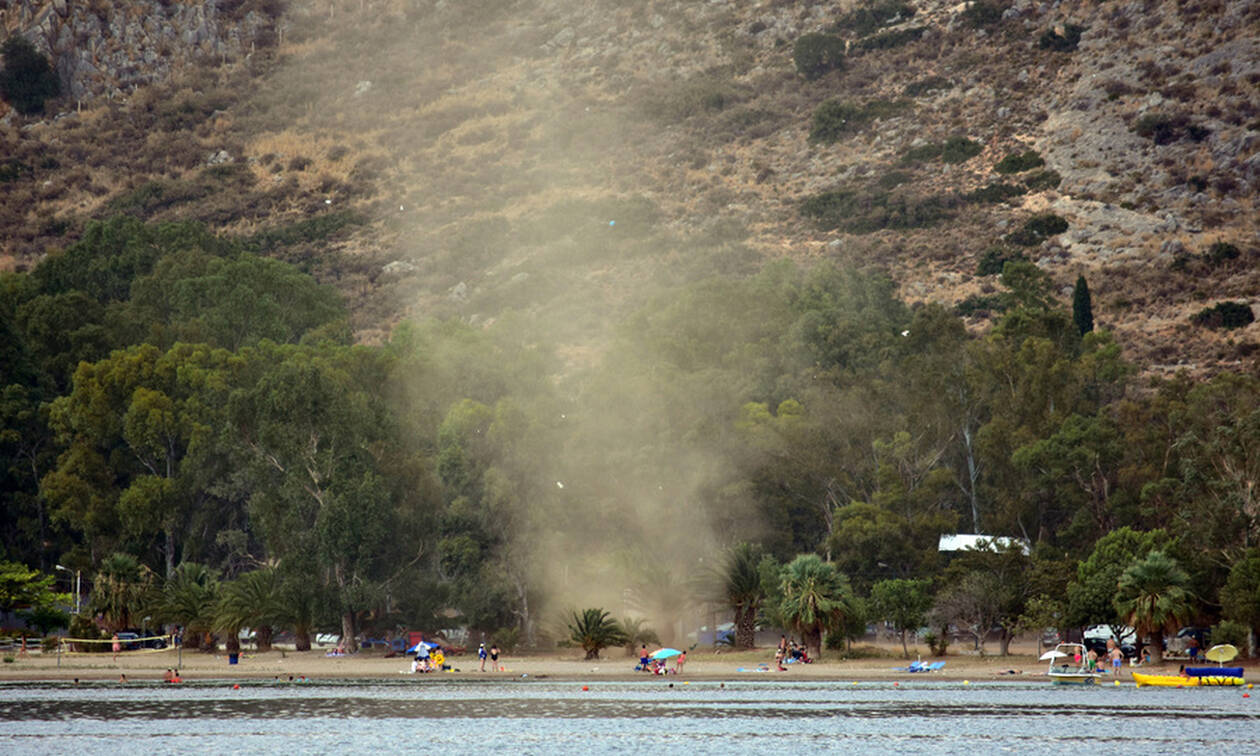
(564, 665)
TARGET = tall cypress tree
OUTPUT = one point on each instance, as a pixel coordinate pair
(1082, 309)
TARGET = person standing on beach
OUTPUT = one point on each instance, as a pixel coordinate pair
(116, 646)
(643, 658)
(494, 657)
(481, 654)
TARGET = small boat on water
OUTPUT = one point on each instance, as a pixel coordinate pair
(1068, 667)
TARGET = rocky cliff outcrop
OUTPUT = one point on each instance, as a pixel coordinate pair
(107, 47)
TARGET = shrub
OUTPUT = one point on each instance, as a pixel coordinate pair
(1037, 229)
(980, 304)
(1231, 632)
(873, 16)
(1166, 128)
(994, 258)
(12, 170)
(892, 179)
(816, 54)
(956, 149)
(1018, 162)
(865, 210)
(1226, 315)
(1066, 42)
(984, 13)
(924, 86)
(1221, 252)
(887, 40)
(1042, 180)
(996, 193)
(26, 80)
(833, 119)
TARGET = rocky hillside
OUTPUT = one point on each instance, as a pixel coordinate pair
(562, 160)
(109, 48)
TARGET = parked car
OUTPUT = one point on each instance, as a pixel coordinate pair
(1105, 632)
(131, 640)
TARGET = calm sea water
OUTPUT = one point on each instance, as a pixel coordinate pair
(522, 716)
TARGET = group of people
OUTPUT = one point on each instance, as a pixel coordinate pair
(1096, 663)
(492, 655)
(788, 652)
(660, 666)
(434, 661)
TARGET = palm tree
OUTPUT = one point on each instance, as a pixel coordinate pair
(815, 598)
(1153, 595)
(638, 634)
(252, 600)
(122, 589)
(742, 588)
(298, 609)
(190, 598)
(595, 629)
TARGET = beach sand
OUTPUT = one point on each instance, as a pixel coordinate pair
(565, 664)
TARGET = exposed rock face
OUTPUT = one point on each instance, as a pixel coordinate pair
(103, 47)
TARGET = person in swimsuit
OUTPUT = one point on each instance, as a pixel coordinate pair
(494, 656)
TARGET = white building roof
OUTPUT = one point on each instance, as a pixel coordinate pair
(977, 542)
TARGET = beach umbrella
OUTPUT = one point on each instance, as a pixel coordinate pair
(422, 647)
(666, 653)
(1055, 654)
(1221, 653)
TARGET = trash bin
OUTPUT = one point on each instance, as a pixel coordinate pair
(233, 658)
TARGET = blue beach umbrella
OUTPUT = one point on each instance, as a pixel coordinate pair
(666, 653)
(422, 647)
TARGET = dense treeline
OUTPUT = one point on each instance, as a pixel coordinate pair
(192, 425)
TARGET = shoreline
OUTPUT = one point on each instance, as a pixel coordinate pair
(701, 666)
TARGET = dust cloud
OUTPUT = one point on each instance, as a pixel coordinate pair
(512, 159)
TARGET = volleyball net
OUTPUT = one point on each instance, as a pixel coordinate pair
(129, 646)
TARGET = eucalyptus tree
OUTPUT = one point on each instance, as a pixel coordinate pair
(141, 429)
(330, 480)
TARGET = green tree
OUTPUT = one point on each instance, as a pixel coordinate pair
(1153, 596)
(25, 588)
(1082, 308)
(1091, 595)
(190, 597)
(816, 54)
(594, 630)
(330, 479)
(147, 420)
(1240, 598)
(742, 588)
(638, 634)
(26, 78)
(252, 600)
(903, 603)
(815, 597)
